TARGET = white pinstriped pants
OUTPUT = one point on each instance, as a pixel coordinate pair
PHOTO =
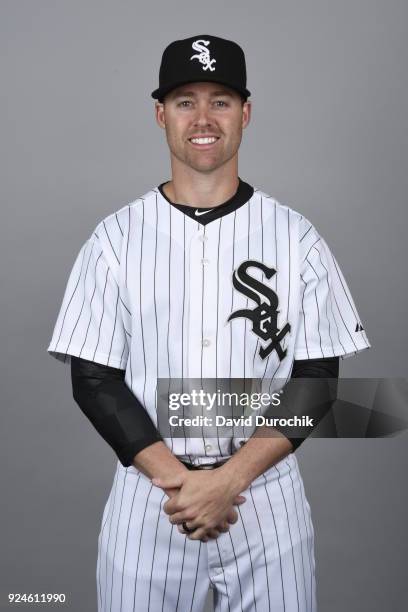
(265, 562)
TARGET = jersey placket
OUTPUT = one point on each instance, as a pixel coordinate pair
(202, 308)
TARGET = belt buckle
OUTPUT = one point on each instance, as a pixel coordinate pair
(203, 466)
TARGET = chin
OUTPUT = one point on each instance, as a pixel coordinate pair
(206, 168)
(205, 165)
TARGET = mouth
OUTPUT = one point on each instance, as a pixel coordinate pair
(203, 142)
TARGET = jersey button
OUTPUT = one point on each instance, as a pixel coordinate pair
(205, 262)
(206, 342)
(208, 447)
(202, 238)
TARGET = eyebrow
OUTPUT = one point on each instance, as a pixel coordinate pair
(194, 95)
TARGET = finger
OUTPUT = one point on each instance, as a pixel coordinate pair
(240, 499)
(175, 521)
(168, 483)
(210, 533)
(213, 534)
(223, 527)
(188, 527)
(171, 492)
(171, 506)
(232, 517)
(198, 534)
(179, 517)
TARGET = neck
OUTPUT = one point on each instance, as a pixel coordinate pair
(202, 190)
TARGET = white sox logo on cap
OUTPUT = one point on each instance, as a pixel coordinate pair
(204, 55)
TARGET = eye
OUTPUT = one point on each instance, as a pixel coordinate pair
(221, 103)
(184, 103)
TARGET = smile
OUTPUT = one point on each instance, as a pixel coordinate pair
(204, 140)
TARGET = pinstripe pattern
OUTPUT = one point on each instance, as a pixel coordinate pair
(151, 292)
(264, 563)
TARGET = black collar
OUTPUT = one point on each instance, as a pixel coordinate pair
(206, 215)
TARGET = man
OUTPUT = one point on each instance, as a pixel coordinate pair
(202, 278)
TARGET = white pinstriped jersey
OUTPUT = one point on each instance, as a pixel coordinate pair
(152, 292)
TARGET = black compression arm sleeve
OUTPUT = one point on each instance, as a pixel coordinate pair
(310, 397)
(316, 368)
(122, 421)
(118, 416)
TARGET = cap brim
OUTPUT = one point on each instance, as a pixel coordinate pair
(159, 93)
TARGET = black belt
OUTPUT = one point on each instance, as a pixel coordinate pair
(204, 466)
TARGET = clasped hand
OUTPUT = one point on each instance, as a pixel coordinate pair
(202, 499)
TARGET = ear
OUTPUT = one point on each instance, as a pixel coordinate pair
(159, 112)
(246, 113)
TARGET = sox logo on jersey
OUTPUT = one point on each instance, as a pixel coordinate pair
(264, 317)
(204, 54)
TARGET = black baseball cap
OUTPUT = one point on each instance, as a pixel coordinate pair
(202, 58)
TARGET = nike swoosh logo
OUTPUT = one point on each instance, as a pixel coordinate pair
(202, 212)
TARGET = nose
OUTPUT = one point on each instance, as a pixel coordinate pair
(202, 117)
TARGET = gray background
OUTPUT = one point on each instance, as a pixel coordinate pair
(78, 141)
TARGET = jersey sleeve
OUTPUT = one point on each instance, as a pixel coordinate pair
(89, 323)
(329, 324)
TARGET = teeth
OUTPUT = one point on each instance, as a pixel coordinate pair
(203, 140)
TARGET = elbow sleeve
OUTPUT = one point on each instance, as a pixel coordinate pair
(313, 396)
(118, 416)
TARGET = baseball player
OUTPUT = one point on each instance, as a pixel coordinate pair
(202, 277)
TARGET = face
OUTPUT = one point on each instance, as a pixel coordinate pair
(203, 123)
